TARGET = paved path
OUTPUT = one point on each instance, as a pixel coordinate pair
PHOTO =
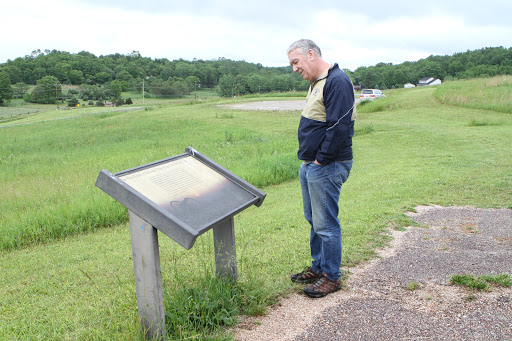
(377, 305)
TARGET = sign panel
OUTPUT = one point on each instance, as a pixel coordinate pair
(183, 196)
(190, 190)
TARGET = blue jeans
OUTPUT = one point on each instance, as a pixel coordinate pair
(321, 186)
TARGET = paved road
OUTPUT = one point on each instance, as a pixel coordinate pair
(377, 304)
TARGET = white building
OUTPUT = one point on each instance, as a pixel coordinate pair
(427, 81)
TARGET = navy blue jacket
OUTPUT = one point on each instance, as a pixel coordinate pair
(326, 126)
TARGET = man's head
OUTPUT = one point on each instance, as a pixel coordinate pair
(306, 58)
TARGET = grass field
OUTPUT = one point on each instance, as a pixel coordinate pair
(67, 272)
(481, 93)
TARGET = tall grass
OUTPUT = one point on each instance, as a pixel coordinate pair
(376, 105)
(48, 169)
(480, 93)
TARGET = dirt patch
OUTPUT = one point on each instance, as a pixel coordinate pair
(377, 303)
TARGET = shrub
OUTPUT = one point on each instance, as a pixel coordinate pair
(128, 101)
(73, 102)
(28, 97)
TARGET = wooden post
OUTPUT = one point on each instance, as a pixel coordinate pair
(148, 277)
(225, 250)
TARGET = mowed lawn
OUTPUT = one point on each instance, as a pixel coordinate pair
(74, 281)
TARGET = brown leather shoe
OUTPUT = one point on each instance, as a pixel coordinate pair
(322, 287)
(306, 276)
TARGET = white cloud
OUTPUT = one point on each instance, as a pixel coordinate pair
(257, 32)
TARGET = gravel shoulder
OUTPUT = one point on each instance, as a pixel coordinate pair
(376, 303)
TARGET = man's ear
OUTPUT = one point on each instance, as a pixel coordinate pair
(311, 54)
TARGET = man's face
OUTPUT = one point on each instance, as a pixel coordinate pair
(302, 63)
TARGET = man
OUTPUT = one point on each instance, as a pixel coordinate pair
(325, 146)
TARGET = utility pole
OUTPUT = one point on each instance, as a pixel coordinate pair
(57, 94)
(143, 90)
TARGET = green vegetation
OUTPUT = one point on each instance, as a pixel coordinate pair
(482, 282)
(65, 256)
(59, 170)
(103, 78)
(413, 285)
(485, 62)
(6, 91)
(482, 93)
(376, 105)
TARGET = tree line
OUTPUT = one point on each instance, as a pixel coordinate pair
(106, 76)
(484, 62)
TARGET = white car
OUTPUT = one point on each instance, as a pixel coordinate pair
(371, 94)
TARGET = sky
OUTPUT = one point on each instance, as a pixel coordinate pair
(353, 34)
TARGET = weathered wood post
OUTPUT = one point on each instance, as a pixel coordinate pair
(225, 250)
(148, 277)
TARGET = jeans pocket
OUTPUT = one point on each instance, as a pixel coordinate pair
(342, 170)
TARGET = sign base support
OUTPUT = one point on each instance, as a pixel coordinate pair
(148, 278)
(225, 250)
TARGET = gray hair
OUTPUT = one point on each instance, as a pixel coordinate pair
(304, 45)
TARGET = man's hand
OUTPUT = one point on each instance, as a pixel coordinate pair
(317, 163)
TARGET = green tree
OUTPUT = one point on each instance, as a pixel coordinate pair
(47, 91)
(163, 88)
(181, 86)
(76, 77)
(102, 77)
(455, 67)
(183, 70)
(256, 83)
(116, 87)
(124, 76)
(61, 71)
(192, 82)
(226, 86)
(6, 92)
(90, 92)
(20, 89)
(14, 72)
(167, 72)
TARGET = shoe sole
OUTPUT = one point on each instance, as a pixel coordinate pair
(306, 281)
(319, 294)
(309, 281)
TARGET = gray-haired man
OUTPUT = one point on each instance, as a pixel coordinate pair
(325, 146)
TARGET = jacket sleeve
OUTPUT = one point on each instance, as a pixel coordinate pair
(339, 104)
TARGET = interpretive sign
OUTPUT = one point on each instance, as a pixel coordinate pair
(190, 190)
(183, 196)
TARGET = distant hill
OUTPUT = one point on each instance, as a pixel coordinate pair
(238, 77)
